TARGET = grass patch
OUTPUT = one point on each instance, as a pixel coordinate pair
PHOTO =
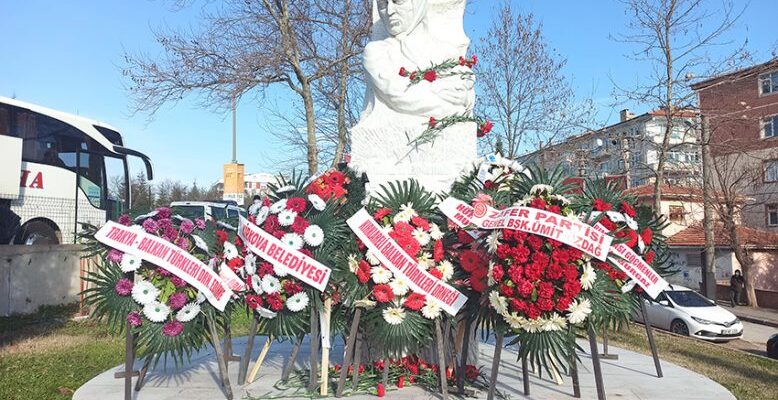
(747, 376)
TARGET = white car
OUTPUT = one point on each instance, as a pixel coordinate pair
(219, 211)
(683, 311)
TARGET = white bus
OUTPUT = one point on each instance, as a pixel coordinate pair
(55, 170)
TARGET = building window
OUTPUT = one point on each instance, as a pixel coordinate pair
(676, 214)
(772, 214)
(770, 127)
(771, 171)
(768, 83)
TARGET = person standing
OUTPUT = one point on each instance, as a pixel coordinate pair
(736, 284)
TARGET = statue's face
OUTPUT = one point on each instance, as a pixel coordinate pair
(397, 15)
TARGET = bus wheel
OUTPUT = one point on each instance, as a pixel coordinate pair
(38, 233)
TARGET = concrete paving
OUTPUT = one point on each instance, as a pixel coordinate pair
(632, 376)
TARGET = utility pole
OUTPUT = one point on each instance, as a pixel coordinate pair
(709, 255)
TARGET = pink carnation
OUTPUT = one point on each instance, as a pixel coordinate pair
(150, 226)
(177, 282)
(172, 328)
(134, 319)
(164, 212)
(177, 300)
(200, 223)
(125, 220)
(123, 287)
(187, 226)
(115, 256)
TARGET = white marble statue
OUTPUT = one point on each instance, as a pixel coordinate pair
(414, 34)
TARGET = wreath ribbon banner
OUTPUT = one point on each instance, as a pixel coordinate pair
(272, 250)
(569, 231)
(635, 267)
(152, 248)
(393, 257)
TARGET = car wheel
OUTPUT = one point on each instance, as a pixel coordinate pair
(679, 327)
(772, 352)
(38, 233)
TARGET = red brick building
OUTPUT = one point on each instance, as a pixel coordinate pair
(742, 110)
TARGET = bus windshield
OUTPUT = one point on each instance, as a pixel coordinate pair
(190, 212)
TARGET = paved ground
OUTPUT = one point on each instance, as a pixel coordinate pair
(630, 377)
(762, 316)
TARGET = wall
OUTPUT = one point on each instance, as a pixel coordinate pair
(32, 276)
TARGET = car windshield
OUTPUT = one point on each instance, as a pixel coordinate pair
(191, 212)
(688, 298)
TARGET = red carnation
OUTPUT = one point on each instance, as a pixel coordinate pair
(430, 75)
(235, 264)
(632, 238)
(533, 312)
(401, 382)
(462, 61)
(414, 301)
(274, 302)
(520, 254)
(518, 305)
(489, 185)
(296, 204)
(535, 242)
(563, 304)
(545, 304)
(464, 238)
(516, 272)
(432, 123)
(383, 293)
(525, 287)
(497, 273)
(253, 301)
(601, 205)
(626, 208)
(271, 224)
(306, 252)
(380, 391)
(478, 285)
(299, 225)
(437, 251)
(436, 273)
(469, 260)
(421, 223)
(484, 128)
(403, 71)
(473, 61)
(363, 272)
(221, 236)
(506, 291)
(608, 224)
(555, 209)
(545, 290)
(649, 257)
(264, 269)
(381, 213)
(647, 235)
(291, 288)
(538, 203)
(480, 272)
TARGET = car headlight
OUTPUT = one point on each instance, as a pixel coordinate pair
(703, 321)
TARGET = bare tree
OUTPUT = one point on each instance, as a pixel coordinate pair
(675, 38)
(521, 85)
(249, 45)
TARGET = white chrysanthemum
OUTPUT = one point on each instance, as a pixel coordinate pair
(313, 235)
(317, 202)
(422, 237)
(539, 189)
(371, 258)
(554, 323)
(380, 274)
(280, 270)
(200, 298)
(435, 232)
(270, 284)
(144, 292)
(188, 312)
(533, 325)
(293, 240)
(262, 215)
(588, 276)
(298, 302)
(514, 320)
(579, 311)
(156, 311)
(200, 243)
(431, 309)
(130, 263)
(406, 213)
(250, 264)
(498, 303)
(256, 284)
(425, 261)
(394, 315)
(493, 241)
(286, 217)
(489, 277)
(254, 208)
(446, 270)
(278, 206)
(230, 251)
(353, 263)
(399, 286)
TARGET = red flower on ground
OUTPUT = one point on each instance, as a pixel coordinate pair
(430, 75)
(296, 204)
(380, 391)
(462, 61)
(383, 293)
(414, 301)
(471, 372)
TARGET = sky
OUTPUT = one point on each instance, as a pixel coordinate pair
(68, 55)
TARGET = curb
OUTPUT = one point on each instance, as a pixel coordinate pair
(759, 321)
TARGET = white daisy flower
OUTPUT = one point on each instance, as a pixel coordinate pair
(399, 286)
(313, 235)
(298, 302)
(270, 284)
(280, 270)
(579, 311)
(254, 208)
(156, 311)
(539, 189)
(514, 320)
(422, 237)
(230, 251)
(554, 323)
(371, 258)
(446, 269)
(293, 240)
(493, 241)
(406, 213)
(588, 277)
(278, 206)
(200, 244)
(489, 277)
(262, 215)
(188, 312)
(130, 263)
(435, 232)
(317, 202)
(286, 217)
(498, 303)
(144, 292)
(250, 264)
(256, 284)
(425, 261)
(380, 274)
(394, 315)
(353, 263)
(533, 325)
(431, 309)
